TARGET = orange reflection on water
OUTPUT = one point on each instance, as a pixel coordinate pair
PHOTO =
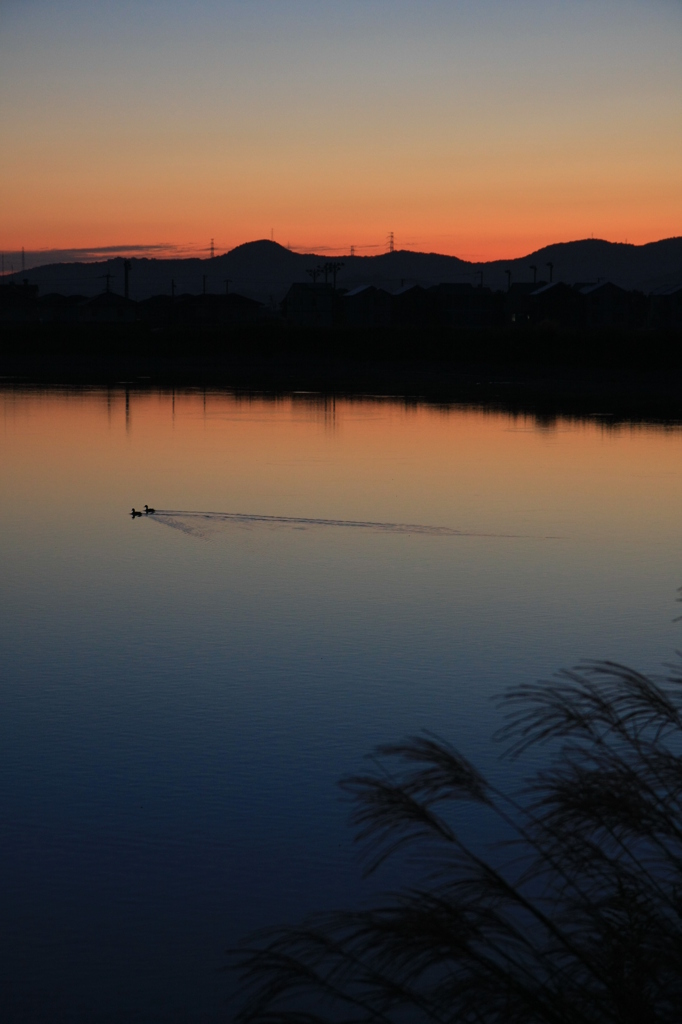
(305, 456)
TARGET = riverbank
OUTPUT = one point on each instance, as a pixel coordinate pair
(620, 375)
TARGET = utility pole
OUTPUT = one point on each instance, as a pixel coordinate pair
(535, 272)
(551, 272)
(333, 269)
(314, 272)
(227, 285)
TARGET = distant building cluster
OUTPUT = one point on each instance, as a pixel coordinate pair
(22, 303)
(586, 305)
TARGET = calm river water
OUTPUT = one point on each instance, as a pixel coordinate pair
(180, 693)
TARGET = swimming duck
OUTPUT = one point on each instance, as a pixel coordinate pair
(135, 513)
(149, 511)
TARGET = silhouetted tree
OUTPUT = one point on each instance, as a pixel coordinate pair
(574, 917)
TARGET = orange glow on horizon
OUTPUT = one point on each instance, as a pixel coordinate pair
(478, 232)
(478, 229)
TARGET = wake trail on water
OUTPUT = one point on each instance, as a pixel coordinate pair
(191, 522)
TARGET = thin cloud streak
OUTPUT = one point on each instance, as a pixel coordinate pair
(95, 254)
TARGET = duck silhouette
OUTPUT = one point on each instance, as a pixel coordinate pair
(135, 513)
(149, 511)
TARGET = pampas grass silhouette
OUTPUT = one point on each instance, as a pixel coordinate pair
(575, 917)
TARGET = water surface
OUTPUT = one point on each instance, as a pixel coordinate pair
(179, 693)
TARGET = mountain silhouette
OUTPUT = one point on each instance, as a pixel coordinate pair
(264, 270)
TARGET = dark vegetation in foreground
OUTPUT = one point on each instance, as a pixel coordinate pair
(574, 917)
(625, 373)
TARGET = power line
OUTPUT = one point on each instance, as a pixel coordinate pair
(312, 250)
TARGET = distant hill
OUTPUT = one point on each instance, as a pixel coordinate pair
(264, 270)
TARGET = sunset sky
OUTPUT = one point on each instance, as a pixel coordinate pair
(481, 128)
